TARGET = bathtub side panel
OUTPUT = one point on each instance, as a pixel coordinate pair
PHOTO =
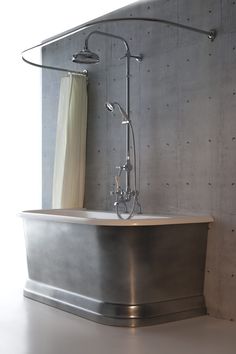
(121, 265)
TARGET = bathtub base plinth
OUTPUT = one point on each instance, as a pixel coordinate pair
(116, 314)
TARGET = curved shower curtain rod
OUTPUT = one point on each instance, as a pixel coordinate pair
(211, 34)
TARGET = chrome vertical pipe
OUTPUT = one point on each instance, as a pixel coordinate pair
(128, 189)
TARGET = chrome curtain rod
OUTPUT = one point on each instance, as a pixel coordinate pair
(211, 34)
(84, 72)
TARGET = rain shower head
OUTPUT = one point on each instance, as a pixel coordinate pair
(85, 56)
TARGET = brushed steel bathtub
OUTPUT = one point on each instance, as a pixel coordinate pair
(143, 271)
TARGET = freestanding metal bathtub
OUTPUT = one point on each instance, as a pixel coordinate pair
(147, 270)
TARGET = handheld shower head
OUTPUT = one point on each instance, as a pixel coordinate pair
(111, 106)
(85, 56)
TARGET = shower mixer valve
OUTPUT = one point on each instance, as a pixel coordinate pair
(124, 196)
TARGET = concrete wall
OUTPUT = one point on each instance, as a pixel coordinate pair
(183, 102)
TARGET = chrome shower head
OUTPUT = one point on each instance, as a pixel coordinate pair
(111, 106)
(85, 56)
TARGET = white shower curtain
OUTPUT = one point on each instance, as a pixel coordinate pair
(70, 150)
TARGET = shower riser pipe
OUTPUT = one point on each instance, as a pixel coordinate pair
(127, 180)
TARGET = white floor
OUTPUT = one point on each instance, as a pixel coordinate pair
(28, 327)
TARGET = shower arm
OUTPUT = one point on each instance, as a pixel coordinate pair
(107, 35)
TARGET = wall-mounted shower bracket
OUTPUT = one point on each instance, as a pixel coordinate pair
(212, 35)
(138, 58)
(126, 167)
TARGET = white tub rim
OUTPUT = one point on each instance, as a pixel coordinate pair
(61, 215)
